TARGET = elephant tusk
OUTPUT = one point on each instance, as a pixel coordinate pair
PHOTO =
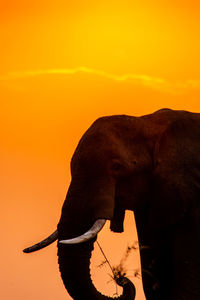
(92, 232)
(49, 240)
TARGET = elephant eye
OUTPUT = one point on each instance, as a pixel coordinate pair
(116, 168)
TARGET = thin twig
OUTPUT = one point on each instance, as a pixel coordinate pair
(108, 264)
(105, 258)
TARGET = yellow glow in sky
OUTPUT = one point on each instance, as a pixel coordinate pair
(64, 64)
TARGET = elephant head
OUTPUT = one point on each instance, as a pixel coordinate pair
(140, 164)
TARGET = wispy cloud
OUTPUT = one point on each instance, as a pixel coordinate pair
(124, 77)
(145, 80)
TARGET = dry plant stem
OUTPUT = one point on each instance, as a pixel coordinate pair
(108, 264)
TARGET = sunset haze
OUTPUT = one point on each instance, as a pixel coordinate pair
(63, 65)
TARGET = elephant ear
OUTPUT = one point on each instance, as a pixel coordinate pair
(176, 190)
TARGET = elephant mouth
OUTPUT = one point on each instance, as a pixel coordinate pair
(116, 225)
(117, 222)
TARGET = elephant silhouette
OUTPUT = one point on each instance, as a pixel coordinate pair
(150, 165)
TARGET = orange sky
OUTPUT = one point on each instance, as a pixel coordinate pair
(63, 64)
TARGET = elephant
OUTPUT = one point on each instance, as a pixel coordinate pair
(151, 166)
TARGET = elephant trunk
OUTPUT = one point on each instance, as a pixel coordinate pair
(74, 265)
